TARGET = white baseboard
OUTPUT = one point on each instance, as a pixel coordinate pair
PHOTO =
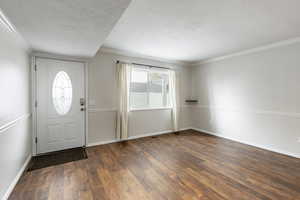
(16, 179)
(149, 134)
(248, 143)
(200, 130)
(185, 129)
(102, 143)
(204, 131)
(134, 137)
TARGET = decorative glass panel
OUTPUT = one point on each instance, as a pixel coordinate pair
(62, 93)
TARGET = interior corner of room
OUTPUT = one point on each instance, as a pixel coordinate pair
(112, 80)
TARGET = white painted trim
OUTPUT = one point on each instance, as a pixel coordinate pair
(138, 55)
(204, 131)
(249, 51)
(43, 55)
(185, 129)
(150, 134)
(248, 143)
(94, 110)
(13, 123)
(102, 143)
(86, 88)
(33, 98)
(6, 23)
(149, 109)
(258, 112)
(16, 179)
(39, 54)
(135, 137)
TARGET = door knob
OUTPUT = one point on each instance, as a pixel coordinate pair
(82, 109)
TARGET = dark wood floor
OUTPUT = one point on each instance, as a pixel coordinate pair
(184, 166)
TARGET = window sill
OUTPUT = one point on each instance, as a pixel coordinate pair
(149, 109)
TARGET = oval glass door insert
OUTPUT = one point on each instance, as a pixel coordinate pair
(62, 93)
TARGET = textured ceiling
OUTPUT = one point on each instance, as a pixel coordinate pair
(200, 29)
(69, 27)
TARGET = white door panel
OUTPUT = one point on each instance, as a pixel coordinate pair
(58, 127)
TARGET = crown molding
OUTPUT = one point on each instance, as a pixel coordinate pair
(11, 29)
(6, 23)
(249, 51)
(41, 54)
(105, 49)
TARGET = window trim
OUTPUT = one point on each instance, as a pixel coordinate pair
(147, 108)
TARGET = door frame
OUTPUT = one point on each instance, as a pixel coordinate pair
(38, 55)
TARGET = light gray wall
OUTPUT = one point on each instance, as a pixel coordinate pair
(103, 101)
(253, 98)
(15, 140)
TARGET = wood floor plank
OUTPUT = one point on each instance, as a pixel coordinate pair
(143, 171)
(184, 166)
(181, 180)
(241, 175)
(224, 186)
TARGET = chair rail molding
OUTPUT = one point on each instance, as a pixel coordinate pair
(250, 111)
(14, 122)
(95, 110)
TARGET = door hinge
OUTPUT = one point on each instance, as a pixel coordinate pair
(36, 140)
(35, 68)
(35, 103)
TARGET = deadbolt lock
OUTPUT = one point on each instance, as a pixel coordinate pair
(82, 101)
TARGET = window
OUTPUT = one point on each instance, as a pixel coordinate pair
(62, 93)
(149, 88)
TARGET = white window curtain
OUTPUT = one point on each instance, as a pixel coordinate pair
(174, 100)
(123, 79)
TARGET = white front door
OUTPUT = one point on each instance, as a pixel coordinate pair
(60, 105)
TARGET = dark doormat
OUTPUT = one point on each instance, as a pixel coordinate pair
(57, 158)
